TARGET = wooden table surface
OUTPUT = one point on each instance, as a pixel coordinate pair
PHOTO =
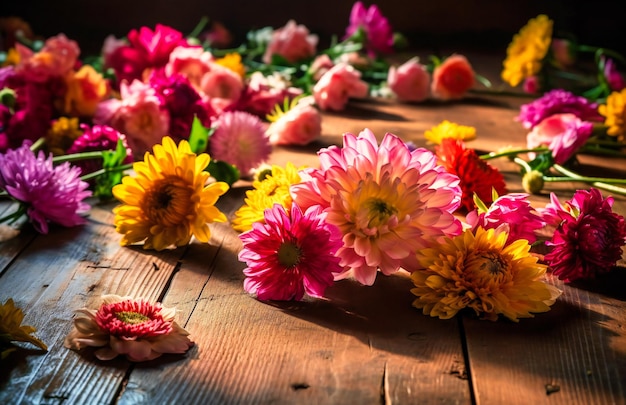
(360, 345)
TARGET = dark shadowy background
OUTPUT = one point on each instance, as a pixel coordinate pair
(432, 25)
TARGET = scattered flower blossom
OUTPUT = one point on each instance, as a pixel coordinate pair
(447, 129)
(290, 253)
(168, 201)
(371, 23)
(97, 138)
(557, 101)
(452, 78)
(293, 42)
(137, 329)
(409, 81)
(563, 134)
(387, 201)
(337, 86)
(299, 124)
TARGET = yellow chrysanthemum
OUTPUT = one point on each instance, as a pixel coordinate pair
(527, 50)
(62, 135)
(11, 328)
(272, 189)
(614, 112)
(232, 61)
(168, 200)
(480, 271)
(447, 129)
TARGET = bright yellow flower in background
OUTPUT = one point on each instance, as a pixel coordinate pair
(12, 330)
(272, 189)
(62, 134)
(447, 129)
(232, 61)
(168, 200)
(526, 51)
(614, 112)
(480, 271)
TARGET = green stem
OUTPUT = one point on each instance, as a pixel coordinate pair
(523, 163)
(514, 152)
(77, 156)
(38, 144)
(502, 93)
(14, 216)
(104, 171)
(198, 28)
(595, 181)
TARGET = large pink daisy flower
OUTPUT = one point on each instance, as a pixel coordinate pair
(388, 201)
(290, 254)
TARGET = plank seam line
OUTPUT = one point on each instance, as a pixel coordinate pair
(466, 360)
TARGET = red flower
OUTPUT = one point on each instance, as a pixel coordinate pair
(589, 238)
(477, 176)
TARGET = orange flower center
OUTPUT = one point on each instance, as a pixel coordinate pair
(168, 202)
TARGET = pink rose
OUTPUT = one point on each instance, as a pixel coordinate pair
(410, 81)
(337, 85)
(223, 87)
(563, 134)
(300, 125)
(293, 42)
(452, 78)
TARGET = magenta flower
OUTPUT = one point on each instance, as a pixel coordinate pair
(376, 28)
(510, 212)
(97, 138)
(555, 102)
(240, 139)
(612, 75)
(387, 201)
(290, 254)
(48, 193)
(589, 237)
(562, 133)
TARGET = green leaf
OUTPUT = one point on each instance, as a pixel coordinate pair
(542, 163)
(480, 205)
(223, 171)
(110, 160)
(199, 136)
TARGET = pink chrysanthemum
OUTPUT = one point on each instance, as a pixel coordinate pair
(388, 201)
(240, 140)
(138, 329)
(290, 254)
(555, 102)
(589, 237)
(510, 212)
(48, 193)
(97, 138)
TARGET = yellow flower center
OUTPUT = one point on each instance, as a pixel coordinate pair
(289, 254)
(168, 202)
(132, 318)
(485, 267)
(379, 212)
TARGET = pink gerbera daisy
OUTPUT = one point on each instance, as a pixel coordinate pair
(388, 201)
(290, 254)
(240, 140)
(46, 193)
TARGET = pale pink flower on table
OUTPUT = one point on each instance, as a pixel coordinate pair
(388, 201)
(371, 23)
(589, 236)
(452, 78)
(512, 213)
(191, 62)
(240, 139)
(299, 125)
(563, 134)
(139, 115)
(613, 77)
(293, 42)
(554, 102)
(137, 329)
(409, 81)
(49, 193)
(337, 86)
(289, 254)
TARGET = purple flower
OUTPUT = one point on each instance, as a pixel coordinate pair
(49, 193)
(589, 236)
(555, 102)
(379, 35)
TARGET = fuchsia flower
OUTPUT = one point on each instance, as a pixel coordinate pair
(138, 329)
(97, 138)
(240, 140)
(563, 134)
(555, 102)
(410, 81)
(588, 238)
(337, 86)
(387, 201)
(293, 42)
(47, 192)
(291, 253)
(612, 75)
(376, 28)
(512, 213)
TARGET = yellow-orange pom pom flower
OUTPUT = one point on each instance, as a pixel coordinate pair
(480, 271)
(168, 201)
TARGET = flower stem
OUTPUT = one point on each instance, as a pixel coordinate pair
(106, 170)
(77, 156)
(494, 92)
(595, 181)
(11, 218)
(514, 152)
(38, 144)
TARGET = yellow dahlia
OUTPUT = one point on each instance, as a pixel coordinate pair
(62, 135)
(527, 50)
(232, 61)
(12, 330)
(614, 112)
(272, 188)
(168, 200)
(480, 271)
(447, 129)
